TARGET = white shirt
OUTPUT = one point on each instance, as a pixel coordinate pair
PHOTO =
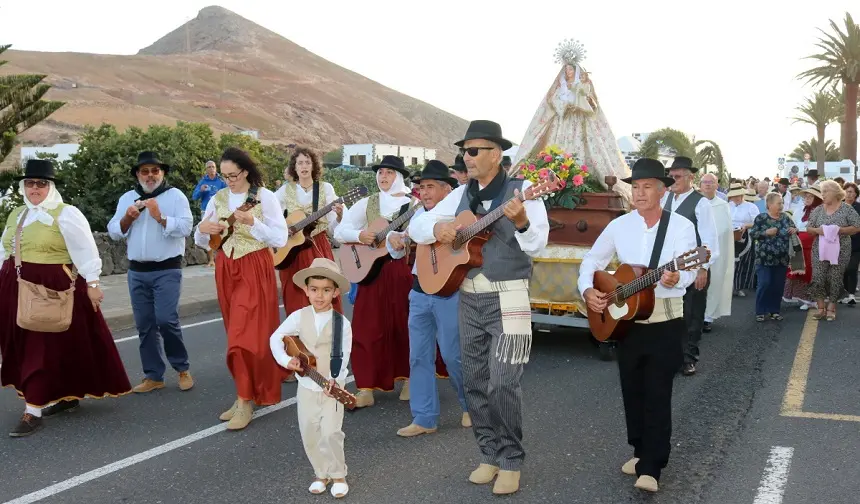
(398, 254)
(307, 198)
(706, 225)
(532, 241)
(742, 214)
(290, 327)
(146, 239)
(78, 237)
(354, 220)
(632, 241)
(272, 230)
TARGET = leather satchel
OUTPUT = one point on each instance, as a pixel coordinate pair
(42, 309)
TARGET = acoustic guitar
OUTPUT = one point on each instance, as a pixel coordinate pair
(442, 267)
(217, 241)
(359, 262)
(300, 225)
(629, 293)
(295, 348)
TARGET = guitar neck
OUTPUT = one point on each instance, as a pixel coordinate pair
(647, 280)
(310, 219)
(395, 224)
(315, 375)
(483, 223)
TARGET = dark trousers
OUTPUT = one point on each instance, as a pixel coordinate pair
(768, 291)
(695, 303)
(155, 304)
(648, 358)
(850, 279)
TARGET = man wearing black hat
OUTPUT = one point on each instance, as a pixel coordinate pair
(650, 353)
(460, 171)
(494, 309)
(154, 219)
(506, 163)
(683, 199)
(430, 321)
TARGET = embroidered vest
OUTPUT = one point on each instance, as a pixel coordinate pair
(292, 198)
(318, 344)
(372, 212)
(503, 258)
(241, 242)
(40, 244)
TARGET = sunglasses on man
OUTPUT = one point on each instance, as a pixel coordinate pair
(473, 151)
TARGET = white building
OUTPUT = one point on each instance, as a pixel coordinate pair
(63, 151)
(832, 169)
(366, 155)
(630, 146)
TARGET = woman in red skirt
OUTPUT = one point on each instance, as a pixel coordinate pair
(380, 345)
(53, 371)
(297, 194)
(797, 281)
(245, 281)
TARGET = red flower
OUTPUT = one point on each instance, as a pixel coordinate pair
(547, 159)
(577, 180)
(584, 168)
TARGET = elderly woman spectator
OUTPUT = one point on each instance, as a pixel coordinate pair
(850, 278)
(53, 370)
(771, 231)
(832, 223)
(798, 280)
(743, 215)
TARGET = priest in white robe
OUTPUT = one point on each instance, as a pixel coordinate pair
(719, 302)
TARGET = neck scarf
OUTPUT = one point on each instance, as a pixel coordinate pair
(145, 195)
(39, 212)
(489, 193)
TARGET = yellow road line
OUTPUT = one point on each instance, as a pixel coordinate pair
(821, 416)
(792, 403)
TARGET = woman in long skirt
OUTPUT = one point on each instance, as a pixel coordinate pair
(245, 281)
(380, 345)
(743, 215)
(798, 280)
(52, 371)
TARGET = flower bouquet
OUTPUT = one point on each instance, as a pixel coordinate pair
(574, 177)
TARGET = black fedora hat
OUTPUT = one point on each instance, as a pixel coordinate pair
(646, 168)
(812, 172)
(683, 162)
(485, 130)
(39, 169)
(506, 161)
(459, 165)
(436, 170)
(393, 163)
(148, 158)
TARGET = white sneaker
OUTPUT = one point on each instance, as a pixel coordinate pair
(804, 307)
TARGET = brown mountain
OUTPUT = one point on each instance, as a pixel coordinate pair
(225, 70)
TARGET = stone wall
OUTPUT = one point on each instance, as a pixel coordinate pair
(115, 258)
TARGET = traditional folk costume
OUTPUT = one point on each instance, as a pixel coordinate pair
(743, 215)
(651, 352)
(320, 416)
(54, 369)
(494, 314)
(155, 253)
(381, 310)
(293, 197)
(431, 326)
(798, 279)
(697, 209)
(248, 297)
(719, 299)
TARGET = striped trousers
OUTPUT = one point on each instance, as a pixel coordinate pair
(492, 388)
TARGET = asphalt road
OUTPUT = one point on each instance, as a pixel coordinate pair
(731, 445)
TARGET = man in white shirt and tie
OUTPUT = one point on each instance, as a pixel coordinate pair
(651, 352)
(683, 199)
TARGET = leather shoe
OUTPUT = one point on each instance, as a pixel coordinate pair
(689, 369)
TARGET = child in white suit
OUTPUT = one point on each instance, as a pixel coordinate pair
(320, 415)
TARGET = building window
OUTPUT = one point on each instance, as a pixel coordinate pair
(414, 161)
(359, 160)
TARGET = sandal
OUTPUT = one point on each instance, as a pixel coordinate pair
(319, 486)
(339, 489)
(820, 314)
(777, 317)
(831, 315)
(759, 318)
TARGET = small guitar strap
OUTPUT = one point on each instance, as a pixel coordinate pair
(336, 344)
(661, 237)
(403, 209)
(316, 195)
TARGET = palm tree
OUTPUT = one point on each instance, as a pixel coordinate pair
(840, 62)
(819, 111)
(21, 106)
(831, 150)
(677, 143)
(839, 96)
(710, 154)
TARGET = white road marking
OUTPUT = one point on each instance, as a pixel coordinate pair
(186, 326)
(141, 457)
(772, 485)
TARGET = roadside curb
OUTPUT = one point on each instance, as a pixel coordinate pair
(121, 320)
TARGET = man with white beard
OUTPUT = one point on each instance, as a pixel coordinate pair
(155, 219)
(719, 303)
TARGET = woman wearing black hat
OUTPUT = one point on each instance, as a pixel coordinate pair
(380, 352)
(53, 371)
